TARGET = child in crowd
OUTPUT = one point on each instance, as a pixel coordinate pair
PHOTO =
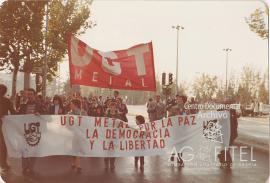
(139, 120)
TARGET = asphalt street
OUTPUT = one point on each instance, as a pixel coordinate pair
(57, 169)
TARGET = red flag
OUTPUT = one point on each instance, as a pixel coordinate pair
(130, 69)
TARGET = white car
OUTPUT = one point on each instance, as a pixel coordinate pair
(265, 108)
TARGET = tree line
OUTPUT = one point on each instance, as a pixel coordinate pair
(23, 34)
(248, 86)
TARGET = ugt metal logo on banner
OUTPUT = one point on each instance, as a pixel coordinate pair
(32, 133)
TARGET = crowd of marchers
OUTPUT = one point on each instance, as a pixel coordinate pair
(28, 102)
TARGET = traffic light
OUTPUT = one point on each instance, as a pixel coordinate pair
(170, 78)
(163, 78)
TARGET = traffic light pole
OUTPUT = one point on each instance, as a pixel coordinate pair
(176, 79)
(166, 88)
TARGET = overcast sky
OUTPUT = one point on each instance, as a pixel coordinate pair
(209, 26)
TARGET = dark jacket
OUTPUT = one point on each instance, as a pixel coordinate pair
(123, 112)
(96, 111)
(38, 108)
(234, 125)
(6, 106)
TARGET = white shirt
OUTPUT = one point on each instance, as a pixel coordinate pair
(56, 109)
(1, 180)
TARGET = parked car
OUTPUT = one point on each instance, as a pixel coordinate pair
(265, 109)
(247, 110)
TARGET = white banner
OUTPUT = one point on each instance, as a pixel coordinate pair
(85, 136)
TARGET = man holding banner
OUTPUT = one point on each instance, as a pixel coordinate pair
(112, 112)
(32, 106)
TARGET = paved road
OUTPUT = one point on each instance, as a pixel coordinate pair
(57, 169)
(254, 127)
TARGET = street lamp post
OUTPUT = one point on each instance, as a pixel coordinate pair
(45, 65)
(177, 27)
(227, 50)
